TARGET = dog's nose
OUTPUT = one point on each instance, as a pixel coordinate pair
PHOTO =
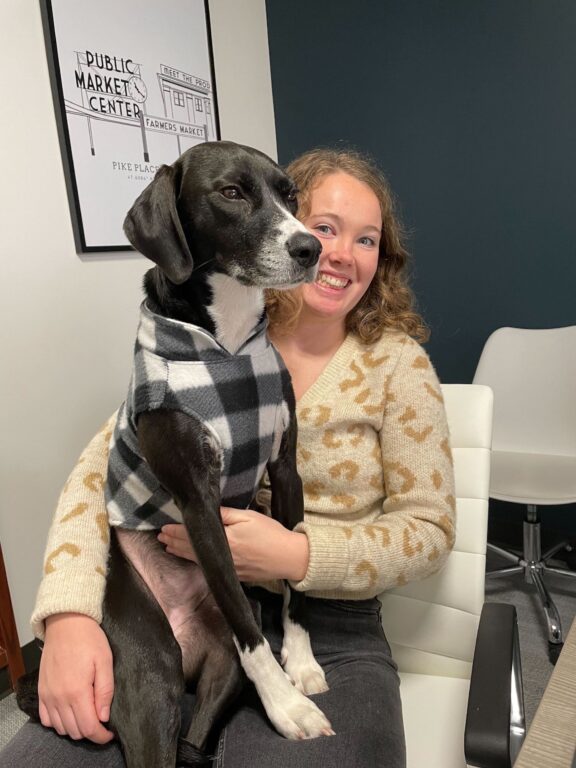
(304, 248)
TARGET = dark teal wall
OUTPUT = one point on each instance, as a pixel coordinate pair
(470, 108)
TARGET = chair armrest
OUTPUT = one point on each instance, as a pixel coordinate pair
(495, 724)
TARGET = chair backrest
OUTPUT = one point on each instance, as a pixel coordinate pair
(431, 625)
(533, 376)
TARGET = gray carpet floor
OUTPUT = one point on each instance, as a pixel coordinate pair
(11, 719)
(536, 667)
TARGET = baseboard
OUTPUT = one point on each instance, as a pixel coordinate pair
(31, 655)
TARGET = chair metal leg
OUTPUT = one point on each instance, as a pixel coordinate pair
(503, 553)
(561, 571)
(552, 616)
(533, 564)
(553, 550)
(506, 571)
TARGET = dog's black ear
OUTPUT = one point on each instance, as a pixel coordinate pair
(153, 227)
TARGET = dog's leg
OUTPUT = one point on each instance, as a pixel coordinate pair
(184, 456)
(148, 677)
(288, 508)
(216, 689)
(297, 656)
(220, 680)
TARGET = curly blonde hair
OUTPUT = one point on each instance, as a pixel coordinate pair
(388, 304)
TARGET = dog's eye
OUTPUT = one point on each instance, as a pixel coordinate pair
(231, 193)
(291, 196)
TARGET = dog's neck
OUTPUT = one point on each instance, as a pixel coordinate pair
(235, 310)
(215, 302)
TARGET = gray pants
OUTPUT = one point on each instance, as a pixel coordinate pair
(363, 705)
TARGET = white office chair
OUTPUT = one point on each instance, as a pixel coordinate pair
(533, 376)
(460, 682)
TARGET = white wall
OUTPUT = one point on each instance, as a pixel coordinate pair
(68, 324)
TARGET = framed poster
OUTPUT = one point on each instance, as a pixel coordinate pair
(133, 87)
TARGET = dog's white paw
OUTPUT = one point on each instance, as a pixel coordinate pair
(291, 713)
(298, 660)
(296, 717)
(304, 672)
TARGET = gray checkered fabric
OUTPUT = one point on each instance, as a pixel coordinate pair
(239, 398)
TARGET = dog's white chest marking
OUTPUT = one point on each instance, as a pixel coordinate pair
(235, 310)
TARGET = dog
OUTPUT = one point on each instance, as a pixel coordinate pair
(220, 226)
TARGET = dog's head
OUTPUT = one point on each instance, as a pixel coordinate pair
(227, 208)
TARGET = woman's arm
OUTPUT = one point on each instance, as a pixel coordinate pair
(76, 683)
(76, 554)
(414, 532)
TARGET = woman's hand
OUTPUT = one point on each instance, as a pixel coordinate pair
(76, 681)
(262, 549)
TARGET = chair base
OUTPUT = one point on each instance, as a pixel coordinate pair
(533, 564)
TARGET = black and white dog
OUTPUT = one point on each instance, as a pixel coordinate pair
(220, 226)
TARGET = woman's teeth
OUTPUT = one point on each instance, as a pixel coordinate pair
(333, 282)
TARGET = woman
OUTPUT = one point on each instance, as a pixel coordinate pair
(379, 499)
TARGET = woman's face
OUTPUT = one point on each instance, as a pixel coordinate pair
(345, 216)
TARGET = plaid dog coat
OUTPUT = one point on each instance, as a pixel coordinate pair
(239, 398)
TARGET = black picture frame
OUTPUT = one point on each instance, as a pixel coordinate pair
(176, 83)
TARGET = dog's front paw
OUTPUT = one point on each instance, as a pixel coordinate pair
(291, 713)
(296, 717)
(304, 671)
(299, 662)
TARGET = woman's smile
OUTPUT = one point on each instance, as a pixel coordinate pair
(331, 281)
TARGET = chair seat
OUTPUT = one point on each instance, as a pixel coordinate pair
(434, 709)
(533, 478)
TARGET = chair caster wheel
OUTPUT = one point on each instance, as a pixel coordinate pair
(569, 556)
(554, 650)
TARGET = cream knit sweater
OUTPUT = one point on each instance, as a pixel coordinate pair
(375, 460)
